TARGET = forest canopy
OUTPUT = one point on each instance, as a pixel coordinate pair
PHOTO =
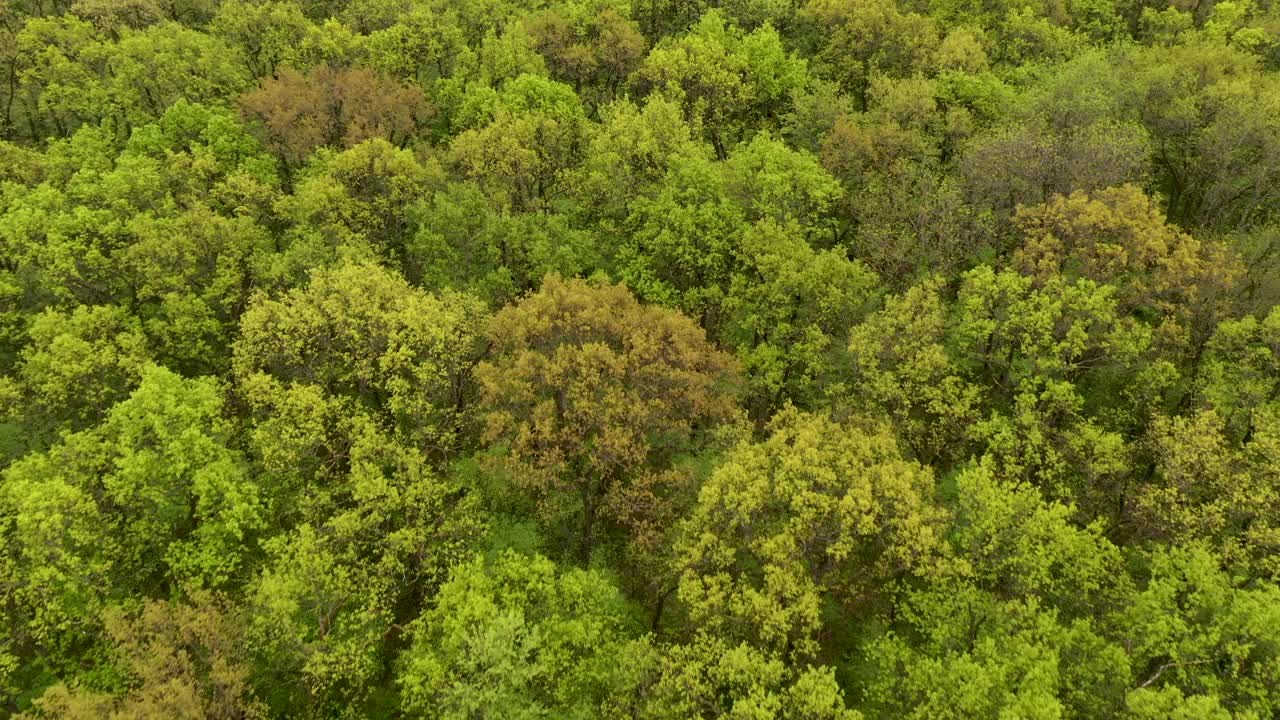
(744, 359)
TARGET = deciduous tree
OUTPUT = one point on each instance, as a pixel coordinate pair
(816, 513)
(593, 395)
(519, 638)
(332, 107)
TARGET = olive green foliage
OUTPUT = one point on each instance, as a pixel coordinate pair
(744, 359)
(593, 396)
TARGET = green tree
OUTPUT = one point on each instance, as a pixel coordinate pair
(76, 366)
(595, 53)
(151, 500)
(628, 155)
(1020, 546)
(1119, 237)
(518, 638)
(981, 658)
(463, 242)
(1208, 111)
(860, 39)
(901, 367)
(64, 237)
(711, 678)
(423, 47)
(207, 157)
(360, 340)
(9, 67)
(183, 660)
(50, 55)
(357, 387)
(196, 273)
(84, 78)
(267, 34)
(1036, 348)
(683, 240)
(817, 513)
(523, 157)
(1204, 487)
(329, 607)
(726, 80)
(788, 310)
(773, 182)
(1027, 628)
(354, 205)
(593, 396)
(1239, 372)
(1200, 637)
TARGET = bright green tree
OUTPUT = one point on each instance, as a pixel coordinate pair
(150, 501)
(817, 513)
(518, 638)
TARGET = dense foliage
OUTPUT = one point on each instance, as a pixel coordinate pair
(756, 359)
